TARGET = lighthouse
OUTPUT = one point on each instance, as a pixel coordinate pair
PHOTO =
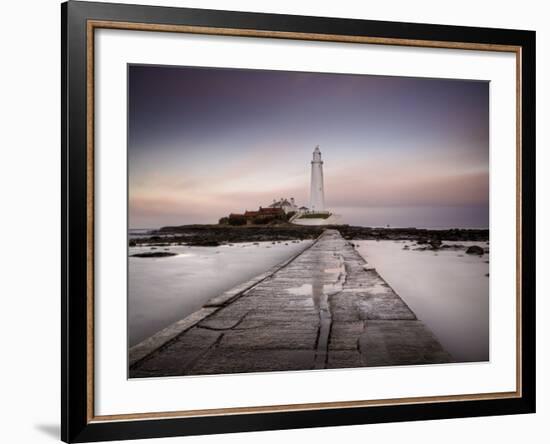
(316, 214)
(317, 191)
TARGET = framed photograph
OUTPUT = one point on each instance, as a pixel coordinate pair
(276, 221)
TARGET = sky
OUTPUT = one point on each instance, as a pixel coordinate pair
(398, 151)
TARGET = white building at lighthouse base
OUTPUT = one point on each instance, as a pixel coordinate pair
(333, 219)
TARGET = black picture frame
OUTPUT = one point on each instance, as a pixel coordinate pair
(77, 424)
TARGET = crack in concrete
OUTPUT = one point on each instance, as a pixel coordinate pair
(215, 344)
(325, 315)
(233, 327)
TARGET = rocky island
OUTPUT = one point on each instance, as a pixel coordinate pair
(218, 234)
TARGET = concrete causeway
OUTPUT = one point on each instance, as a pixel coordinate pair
(325, 308)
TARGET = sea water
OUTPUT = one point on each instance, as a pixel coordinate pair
(447, 289)
(164, 290)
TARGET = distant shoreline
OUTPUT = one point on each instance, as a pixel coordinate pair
(214, 235)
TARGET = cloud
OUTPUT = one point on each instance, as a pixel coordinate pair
(408, 188)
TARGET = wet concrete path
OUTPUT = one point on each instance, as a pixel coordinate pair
(325, 308)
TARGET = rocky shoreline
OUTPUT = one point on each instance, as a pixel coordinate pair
(214, 235)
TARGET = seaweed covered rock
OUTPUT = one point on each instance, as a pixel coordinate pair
(154, 254)
(474, 249)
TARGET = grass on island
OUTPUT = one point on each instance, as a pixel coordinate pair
(315, 216)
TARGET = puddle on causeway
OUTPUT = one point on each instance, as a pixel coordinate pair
(321, 288)
(316, 290)
(302, 290)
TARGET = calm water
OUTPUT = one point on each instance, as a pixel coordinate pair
(164, 290)
(139, 232)
(447, 290)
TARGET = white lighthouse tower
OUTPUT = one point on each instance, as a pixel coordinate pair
(316, 214)
(317, 191)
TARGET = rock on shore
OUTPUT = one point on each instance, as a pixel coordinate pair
(474, 249)
(154, 254)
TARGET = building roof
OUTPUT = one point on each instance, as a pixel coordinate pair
(271, 210)
(263, 211)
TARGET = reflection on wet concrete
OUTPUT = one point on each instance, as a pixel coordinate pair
(320, 302)
(327, 280)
